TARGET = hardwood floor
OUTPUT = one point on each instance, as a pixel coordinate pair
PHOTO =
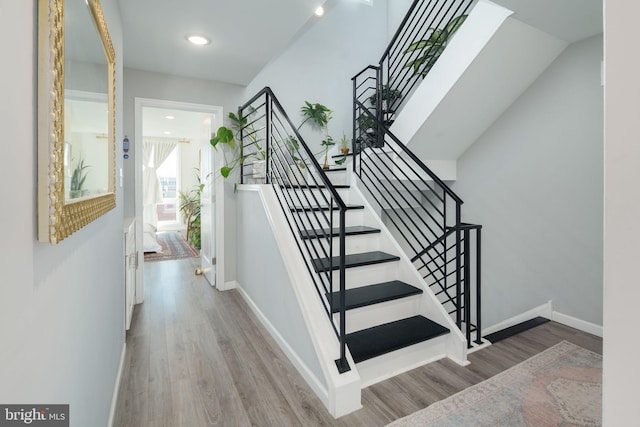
(199, 357)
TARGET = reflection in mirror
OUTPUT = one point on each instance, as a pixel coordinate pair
(86, 119)
(76, 118)
(86, 144)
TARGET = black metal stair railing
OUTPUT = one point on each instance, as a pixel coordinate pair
(275, 152)
(422, 212)
(422, 37)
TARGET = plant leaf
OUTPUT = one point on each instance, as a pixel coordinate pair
(225, 171)
(454, 24)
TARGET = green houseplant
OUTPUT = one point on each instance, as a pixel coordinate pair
(78, 177)
(388, 95)
(230, 152)
(425, 52)
(190, 204)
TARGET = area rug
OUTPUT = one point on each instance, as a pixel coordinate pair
(173, 247)
(561, 386)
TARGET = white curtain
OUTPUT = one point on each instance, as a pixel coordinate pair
(155, 152)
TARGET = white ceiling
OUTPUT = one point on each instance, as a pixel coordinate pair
(568, 20)
(184, 125)
(245, 35)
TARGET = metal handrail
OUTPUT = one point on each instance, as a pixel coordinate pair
(422, 18)
(431, 227)
(424, 168)
(306, 208)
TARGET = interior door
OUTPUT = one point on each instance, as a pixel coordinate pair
(207, 215)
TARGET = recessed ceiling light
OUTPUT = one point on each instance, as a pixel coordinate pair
(166, 132)
(319, 11)
(169, 117)
(198, 40)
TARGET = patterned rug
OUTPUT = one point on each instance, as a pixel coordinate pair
(173, 247)
(561, 386)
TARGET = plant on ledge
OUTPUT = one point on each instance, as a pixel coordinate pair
(429, 49)
(231, 155)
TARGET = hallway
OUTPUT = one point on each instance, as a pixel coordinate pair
(199, 357)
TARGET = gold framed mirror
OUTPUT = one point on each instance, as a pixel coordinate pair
(76, 117)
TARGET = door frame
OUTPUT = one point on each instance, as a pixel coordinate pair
(218, 113)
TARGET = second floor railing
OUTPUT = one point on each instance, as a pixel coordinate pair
(422, 37)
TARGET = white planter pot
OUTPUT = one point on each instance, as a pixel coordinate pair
(259, 170)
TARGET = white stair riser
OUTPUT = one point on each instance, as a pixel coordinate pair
(377, 314)
(320, 219)
(353, 244)
(391, 364)
(370, 274)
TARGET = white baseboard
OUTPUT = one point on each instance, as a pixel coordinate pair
(116, 388)
(232, 284)
(546, 311)
(543, 310)
(579, 324)
(319, 389)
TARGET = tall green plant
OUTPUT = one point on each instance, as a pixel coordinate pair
(78, 178)
(231, 153)
(429, 49)
(190, 205)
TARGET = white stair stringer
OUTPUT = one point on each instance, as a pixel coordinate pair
(342, 393)
(486, 66)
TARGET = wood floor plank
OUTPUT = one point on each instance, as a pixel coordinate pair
(200, 357)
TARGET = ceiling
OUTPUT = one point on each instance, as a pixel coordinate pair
(244, 34)
(174, 123)
(568, 20)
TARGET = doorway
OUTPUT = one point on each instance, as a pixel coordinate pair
(172, 158)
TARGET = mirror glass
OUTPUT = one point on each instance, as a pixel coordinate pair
(86, 112)
(76, 117)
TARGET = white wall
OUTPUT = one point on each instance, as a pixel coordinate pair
(622, 212)
(61, 306)
(264, 278)
(534, 181)
(396, 11)
(144, 84)
(319, 65)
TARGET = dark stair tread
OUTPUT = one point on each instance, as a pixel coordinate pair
(388, 337)
(372, 294)
(323, 208)
(313, 187)
(353, 260)
(349, 231)
(338, 156)
(335, 169)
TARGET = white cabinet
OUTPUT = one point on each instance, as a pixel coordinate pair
(130, 267)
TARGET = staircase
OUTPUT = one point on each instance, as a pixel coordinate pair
(382, 240)
(386, 319)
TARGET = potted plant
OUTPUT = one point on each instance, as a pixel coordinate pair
(231, 152)
(78, 177)
(258, 158)
(319, 116)
(426, 52)
(344, 144)
(190, 203)
(388, 95)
